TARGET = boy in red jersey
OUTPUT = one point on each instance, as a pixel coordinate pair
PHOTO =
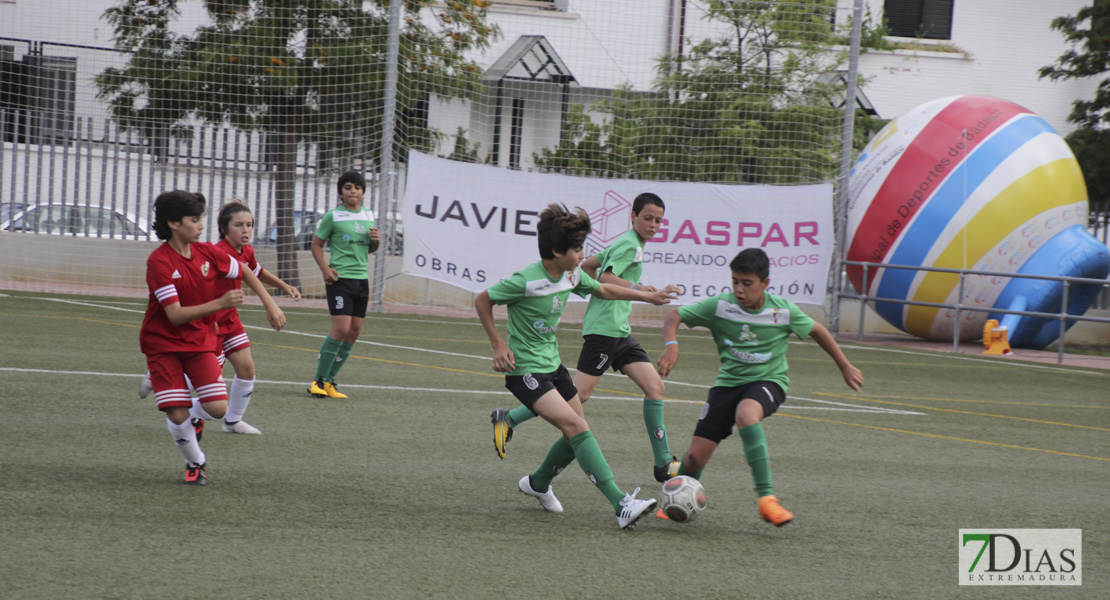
(178, 335)
(236, 224)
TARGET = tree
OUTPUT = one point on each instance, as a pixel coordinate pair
(742, 108)
(1088, 35)
(301, 71)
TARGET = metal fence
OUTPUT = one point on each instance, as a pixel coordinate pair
(1063, 316)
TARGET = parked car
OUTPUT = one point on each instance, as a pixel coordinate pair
(304, 227)
(92, 220)
(7, 208)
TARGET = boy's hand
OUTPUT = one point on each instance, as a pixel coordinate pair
(668, 359)
(853, 377)
(661, 297)
(276, 317)
(330, 275)
(292, 292)
(503, 360)
(672, 289)
(231, 299)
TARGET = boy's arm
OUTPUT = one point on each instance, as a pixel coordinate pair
(503, 360)
(590, 267)
(180, 315)
(273, 313)
(669, 358)
(330, 274)
(608, 291)
(852, 376)
(273, 280)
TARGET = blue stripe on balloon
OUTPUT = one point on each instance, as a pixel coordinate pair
(916, 242)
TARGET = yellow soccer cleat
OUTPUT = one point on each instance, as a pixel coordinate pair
(502, 432)
(332, 391)
(316, 388)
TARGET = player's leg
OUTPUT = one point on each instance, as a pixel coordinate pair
(242, 388)
(360, 299)
(761, 400)
(339, 306)
(167, 376)
(643, 373)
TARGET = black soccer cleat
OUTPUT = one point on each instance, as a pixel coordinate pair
(196, 475)
(198, 426)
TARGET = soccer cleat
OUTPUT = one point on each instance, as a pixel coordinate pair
(332, 391)
(196, 475)
(662, 514)
(632, 508)
(773, 512)
(502, 433)
(145, 386)
(547, 499)
(316, 388)
(241, 427)
(668, 470)
(198, 426)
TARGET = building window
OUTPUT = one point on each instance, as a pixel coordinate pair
(928, 19)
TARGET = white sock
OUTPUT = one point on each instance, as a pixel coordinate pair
(186, 440)
(196, 411)
(238, 399)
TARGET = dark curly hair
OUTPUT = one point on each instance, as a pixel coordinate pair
(175, 206)
(559, 230)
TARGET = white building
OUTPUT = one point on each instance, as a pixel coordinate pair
(555, 52)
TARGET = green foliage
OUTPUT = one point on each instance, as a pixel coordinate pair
(312, 68)
(741, 108)
(1088, 35)
(463, 151)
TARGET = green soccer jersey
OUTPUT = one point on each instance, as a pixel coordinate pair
(535, 303)
(751, 345)
(625, 257)
(347, 232)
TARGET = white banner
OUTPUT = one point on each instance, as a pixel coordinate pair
(473, 225)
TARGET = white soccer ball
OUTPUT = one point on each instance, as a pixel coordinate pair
(682, 498)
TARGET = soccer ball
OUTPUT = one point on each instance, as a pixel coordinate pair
(682, 498)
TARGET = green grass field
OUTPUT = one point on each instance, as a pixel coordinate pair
(397, 492)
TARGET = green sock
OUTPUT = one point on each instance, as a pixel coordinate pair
(327, 356)
(519, 415)
(593, 463)
(695, 474)
(340, 359)
(755, 450)
(657, 433)
(558, 458)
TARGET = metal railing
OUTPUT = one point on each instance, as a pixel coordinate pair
(1063, 316)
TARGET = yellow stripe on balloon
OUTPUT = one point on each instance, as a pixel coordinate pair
(1051, 185)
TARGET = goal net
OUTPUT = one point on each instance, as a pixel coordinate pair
(267, 101)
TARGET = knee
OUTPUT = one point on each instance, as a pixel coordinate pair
(655, 390)
(352, 334)
(574, 427)
(246, 372)
(583, 395)
(216, 410)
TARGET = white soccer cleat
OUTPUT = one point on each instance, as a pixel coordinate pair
(632, 508)
(547, 499)
(145, 386)
(241, 427)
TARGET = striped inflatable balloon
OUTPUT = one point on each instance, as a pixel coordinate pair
(977, 183)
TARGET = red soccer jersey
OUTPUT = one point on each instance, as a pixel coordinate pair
(173, 278)
(228, 319)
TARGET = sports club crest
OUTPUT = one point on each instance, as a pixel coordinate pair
(204, 269)
(659, 433)
(556, 305)
(776, 313)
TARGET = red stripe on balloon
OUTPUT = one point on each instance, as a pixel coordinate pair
(924, 165)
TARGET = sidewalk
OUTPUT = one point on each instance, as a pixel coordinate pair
(974, 349)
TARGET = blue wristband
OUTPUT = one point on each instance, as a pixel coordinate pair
(670, 342)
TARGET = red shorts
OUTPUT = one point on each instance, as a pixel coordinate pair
(231, 339)
(167, 377)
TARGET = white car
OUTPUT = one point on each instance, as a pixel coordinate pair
(78, 221)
